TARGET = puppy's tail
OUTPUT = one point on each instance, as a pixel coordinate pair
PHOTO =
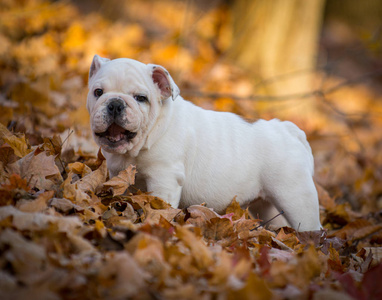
(301, 136)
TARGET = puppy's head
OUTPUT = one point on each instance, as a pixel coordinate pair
(125, 100)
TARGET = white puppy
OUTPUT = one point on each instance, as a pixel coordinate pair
(187, 155)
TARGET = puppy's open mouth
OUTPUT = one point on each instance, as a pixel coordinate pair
(116, 133)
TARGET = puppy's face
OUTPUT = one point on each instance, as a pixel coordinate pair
(124, 102)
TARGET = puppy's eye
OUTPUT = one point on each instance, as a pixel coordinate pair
(98, 92)
(141, 98)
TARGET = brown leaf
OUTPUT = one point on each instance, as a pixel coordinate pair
(39, 170)
(122, 181)
(79, 168)
(71, 192)
(357, 230)
(244, 227)
(217, 229)
(236, 209)
(255, 288)
(199, 251)
(19, 145)
(94, 180)
(153, 216)
(198, 215)
(64, 205)
(39, 204)
(25, 257)
(157, 203)
(121, 277)
(52, 146)
(38, 221)
(16, 182)
(7, 155)
(289, 239)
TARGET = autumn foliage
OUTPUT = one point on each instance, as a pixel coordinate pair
(68, 231)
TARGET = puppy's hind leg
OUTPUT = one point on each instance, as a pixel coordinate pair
(265, 211)
(297, 197)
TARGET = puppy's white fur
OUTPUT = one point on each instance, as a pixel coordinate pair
(187, 155)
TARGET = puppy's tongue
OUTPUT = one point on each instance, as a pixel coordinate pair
(115, 132)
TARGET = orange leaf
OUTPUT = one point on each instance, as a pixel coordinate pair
(236, 209)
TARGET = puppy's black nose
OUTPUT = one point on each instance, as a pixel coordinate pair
(115, 107)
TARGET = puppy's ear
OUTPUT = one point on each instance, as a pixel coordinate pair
(97, 62)
(164, 81)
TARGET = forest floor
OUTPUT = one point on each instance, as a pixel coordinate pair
(67, 231)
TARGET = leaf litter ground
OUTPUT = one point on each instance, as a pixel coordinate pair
(67, 231)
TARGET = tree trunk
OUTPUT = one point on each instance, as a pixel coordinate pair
(277, 37)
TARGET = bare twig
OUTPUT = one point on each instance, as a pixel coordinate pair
(69, 134)
(58, 156)
(296, 96)
(266, 222)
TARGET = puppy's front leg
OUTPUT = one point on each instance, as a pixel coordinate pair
(166, 185)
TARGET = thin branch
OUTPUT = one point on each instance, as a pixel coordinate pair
(264, 223)
(296, 96)
(59, 156)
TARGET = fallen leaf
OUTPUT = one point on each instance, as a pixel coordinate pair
(94, 180)
(121, 277)
(357, 229)
(7, 155)
(199, 251)
(19, 145)
(39, 204)
(64, 205)
(39, 221)
(236, 209)
(79, 168)
(122, 181)
(255, 288)
(218, 229)
(36, 169)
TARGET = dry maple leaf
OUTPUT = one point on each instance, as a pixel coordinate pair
(357, 230)
(79, 168)
(19, 145)
(39, 170)
(236, 209)
(7, 155)
(218, 229)
(52, 145)
(122, 181)
(199, 251)
(255, 288)
(198, 215)
(94, 180)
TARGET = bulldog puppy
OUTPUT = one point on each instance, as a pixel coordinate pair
(187, 155)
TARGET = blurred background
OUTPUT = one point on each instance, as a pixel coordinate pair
(317, 63)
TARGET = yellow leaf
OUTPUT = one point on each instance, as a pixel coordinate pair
(255, 288)
(199, 251)
(79, 168)
(18, 144)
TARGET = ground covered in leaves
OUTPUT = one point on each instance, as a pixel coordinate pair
(67, 231)
(71, 233)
